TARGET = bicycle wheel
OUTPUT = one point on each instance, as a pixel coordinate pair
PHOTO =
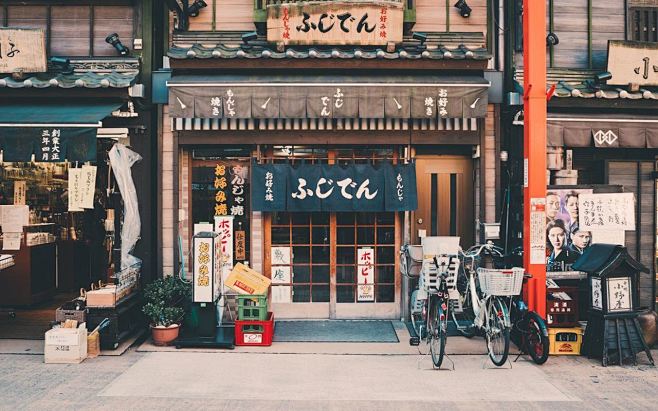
(497, 332)
(438, 332)
(535, 340)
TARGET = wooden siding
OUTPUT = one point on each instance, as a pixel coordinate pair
(626, 173)
(570, 23)
(431, 16)
(70, 27)
(229, 15)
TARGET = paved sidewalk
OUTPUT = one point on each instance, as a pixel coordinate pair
(265, 381)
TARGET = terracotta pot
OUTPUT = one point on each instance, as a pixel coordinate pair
(163, 336)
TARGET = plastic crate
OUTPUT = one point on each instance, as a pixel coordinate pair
(561, 312)
(252, 307)
(565, 341)
(254, 332)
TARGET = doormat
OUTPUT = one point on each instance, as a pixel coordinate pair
(375, 331)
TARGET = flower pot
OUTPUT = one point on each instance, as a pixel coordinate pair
(164, 335)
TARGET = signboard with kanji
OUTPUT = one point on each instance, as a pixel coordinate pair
(633, 62)
(22, 50)
(607, 211)
(335, 23)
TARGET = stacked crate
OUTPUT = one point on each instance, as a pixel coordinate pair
(255, 325)
(565, 334)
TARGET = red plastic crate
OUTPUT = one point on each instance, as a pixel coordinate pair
(253, 332)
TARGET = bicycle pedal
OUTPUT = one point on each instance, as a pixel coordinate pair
(414, 341)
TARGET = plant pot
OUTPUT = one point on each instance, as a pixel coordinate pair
(164, 335)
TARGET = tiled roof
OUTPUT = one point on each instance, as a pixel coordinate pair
(112, 79)
(228, 45)
(582, 84)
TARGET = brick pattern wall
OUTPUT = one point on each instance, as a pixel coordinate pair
(167, 174)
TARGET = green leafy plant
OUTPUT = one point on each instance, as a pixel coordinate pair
(165, 299)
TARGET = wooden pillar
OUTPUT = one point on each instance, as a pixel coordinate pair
(534, 101)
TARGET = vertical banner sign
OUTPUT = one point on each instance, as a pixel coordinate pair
(19, 192)
(537, 231)
(203, 266)
(597, 302)
(221, 208)
(366, 274)
(224, 227)
(75, 189)
(240, 245)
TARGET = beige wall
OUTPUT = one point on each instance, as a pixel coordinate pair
(229, 15)
(431, 16)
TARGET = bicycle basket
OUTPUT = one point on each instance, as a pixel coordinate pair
(501, 282)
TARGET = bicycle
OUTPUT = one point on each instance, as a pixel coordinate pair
(429, 303)
(527, 327)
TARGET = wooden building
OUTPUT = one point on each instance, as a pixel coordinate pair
(601, 112)
(366, 86)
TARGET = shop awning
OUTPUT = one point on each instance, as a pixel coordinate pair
(52, 132)
(603, 131)
(329, 97)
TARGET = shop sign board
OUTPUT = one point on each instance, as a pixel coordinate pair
(366, 265)
(240, 245)
(607, 211)
(619, 294)
(224, 228)
(358, 187)
(335, 23)
(633, 62)
(204, 266)
(22, 50)
(596, 293)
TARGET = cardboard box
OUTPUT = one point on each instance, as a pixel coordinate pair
(244, 280)
(104, 297)
(66, 345)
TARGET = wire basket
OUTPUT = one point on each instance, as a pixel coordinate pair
(501, 282)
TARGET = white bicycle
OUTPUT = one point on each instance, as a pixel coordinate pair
(480, 304)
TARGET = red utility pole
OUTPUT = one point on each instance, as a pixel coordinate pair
(534, 181)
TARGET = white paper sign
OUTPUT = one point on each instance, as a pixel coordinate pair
(619, 294)
(365, 266)
(281, 294)
(538, 230)
(19, 192)
(281, 274)
(224, 227)
(596, 293)
(281, 255)
(14, 217)
(11, 241)
(606, 211)
(366, 292)
(609, 237)
(75, 189)
(88, 186)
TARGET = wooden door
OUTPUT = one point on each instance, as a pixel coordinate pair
(445, 198)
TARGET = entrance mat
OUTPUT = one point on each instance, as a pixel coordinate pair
(372, 331)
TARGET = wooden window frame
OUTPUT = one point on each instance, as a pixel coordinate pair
(651, 8)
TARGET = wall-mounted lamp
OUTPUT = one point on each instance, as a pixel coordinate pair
(247, 37)
(552, 39)
(464, 10)
(113, 39)
(422, 37)
(62, 64)
(603, 77)
(194, 8)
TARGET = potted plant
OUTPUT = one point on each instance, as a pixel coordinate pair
(165, 299)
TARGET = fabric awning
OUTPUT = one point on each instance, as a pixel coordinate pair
(293, 97)
(603, 131)
(52, 132)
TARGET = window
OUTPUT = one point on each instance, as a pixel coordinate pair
(643, 23)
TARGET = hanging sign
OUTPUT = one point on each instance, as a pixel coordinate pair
(359, 187)
(538, 231)
(88, 181)
(75, 189)
(366, 266)
(224, 227)
(607, 211)
(22, 50)
(335, 23)
(19, 192)
(240, 245)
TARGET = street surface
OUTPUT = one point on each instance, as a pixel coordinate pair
(275, 380)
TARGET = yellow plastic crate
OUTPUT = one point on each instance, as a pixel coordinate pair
(565, 341)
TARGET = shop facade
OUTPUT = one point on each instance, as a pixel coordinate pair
(326, 160)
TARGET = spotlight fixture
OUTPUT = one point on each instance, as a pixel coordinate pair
(603, 77)
(552, 39)
(464, 10)
(194, 8)
(422, 37)
(113, 39)
(62, 64)
(247, 37)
